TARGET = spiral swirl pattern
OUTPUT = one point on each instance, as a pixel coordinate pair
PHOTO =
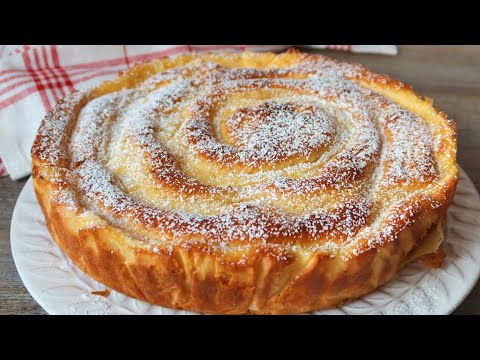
(310, 157)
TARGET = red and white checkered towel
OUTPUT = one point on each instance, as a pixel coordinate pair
(34, 77)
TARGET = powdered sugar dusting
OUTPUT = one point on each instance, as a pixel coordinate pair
(296, 159)
(410, 155)
(54, 131)
(266, 134)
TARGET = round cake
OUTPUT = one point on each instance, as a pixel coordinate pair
(245, 183)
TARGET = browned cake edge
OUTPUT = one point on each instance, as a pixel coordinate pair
(205, 284)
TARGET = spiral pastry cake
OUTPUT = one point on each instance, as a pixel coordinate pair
(245, 183)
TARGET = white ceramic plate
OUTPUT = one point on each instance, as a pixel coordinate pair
(61, 288)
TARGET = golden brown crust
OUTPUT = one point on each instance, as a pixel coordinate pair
(281, 257)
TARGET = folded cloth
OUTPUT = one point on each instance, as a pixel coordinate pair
(34, 77)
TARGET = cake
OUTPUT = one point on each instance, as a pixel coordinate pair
(250, 183)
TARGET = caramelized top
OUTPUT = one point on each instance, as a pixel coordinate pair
(288, 153)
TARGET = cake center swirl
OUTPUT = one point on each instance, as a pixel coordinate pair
(284, 131)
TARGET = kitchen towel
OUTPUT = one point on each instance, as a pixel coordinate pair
(34, 77)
